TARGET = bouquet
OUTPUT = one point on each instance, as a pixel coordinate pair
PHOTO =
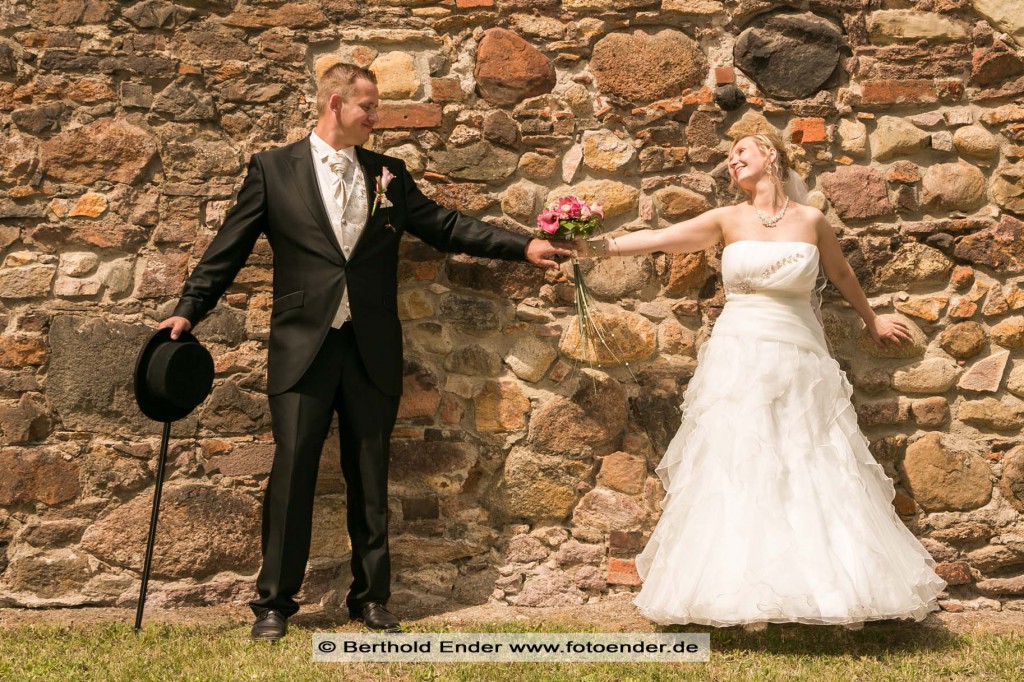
(571, 218)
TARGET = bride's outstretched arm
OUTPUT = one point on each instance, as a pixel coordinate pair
(839, 272)
(695, 234)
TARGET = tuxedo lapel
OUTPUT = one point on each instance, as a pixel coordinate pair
(304, 177)
(371, 170)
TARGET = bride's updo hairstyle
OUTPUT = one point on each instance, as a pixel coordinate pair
(785, 169)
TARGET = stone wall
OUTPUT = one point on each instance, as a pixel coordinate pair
(125, 129)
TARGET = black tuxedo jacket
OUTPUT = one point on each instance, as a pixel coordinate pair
(280, 197)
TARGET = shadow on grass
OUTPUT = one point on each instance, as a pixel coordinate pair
(876, 639)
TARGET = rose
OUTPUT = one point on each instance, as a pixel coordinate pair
(547, 221)
(381, 198)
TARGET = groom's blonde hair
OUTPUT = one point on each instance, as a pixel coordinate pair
(335, 77)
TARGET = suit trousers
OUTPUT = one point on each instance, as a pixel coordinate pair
(336, 381)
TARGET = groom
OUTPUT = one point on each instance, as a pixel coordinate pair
(335, 338)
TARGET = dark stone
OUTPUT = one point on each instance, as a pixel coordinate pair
(668, 133)
(473, 360)
(1000, 247)
(941, 241)
(729, 98)
(655, 409)
(140, 65)
(470, 314)
(185, 101)
(39, 119)
(223, 325)
(8, 58)
(420, 508)
(199, 159)
(419, 468)
(508, 279)
(137, 95)
(157, 14)
(53, 533)
(230, 410)
(89, 382)
(480, 161)
(789, 55)
(68, 60)
(501, 128)
(622, 543)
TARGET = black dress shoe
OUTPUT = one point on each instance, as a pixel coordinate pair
(376, 617)
(270, 627)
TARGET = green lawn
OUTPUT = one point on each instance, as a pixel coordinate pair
(223, 652)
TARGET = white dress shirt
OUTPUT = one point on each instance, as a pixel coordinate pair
(348, 218)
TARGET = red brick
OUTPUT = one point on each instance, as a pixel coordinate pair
(468, 4)
(920, 91)
(724, 75)
(622, 572)
(807, 130)
(409, 116)
(446, 90)
(702, 96)
(950, 91)
(905, 506)
(954, 572)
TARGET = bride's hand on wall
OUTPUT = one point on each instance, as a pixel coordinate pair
(888, 331)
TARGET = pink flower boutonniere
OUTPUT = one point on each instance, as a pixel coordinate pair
(381, 198)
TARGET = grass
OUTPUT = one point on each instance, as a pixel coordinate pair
(880, 652)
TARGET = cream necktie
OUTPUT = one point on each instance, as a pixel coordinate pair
(340, 163)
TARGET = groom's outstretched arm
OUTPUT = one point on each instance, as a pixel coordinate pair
(229, 249)
(452, 232)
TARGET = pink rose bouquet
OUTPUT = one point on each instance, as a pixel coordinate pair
(569, 218)
(572, 218)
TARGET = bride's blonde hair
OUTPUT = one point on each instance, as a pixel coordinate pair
(786, 161)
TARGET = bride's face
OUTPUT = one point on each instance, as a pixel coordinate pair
(747, 163)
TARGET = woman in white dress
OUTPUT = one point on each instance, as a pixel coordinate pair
(775, 510)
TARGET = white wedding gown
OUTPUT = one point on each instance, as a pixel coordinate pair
(775, 510)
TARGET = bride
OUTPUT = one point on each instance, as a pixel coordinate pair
(775, 511)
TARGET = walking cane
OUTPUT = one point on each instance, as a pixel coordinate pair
(152, 524)
(172, 377)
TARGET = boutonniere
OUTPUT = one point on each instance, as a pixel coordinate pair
(381, 198)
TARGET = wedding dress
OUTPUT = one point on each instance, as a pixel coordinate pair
(775, 510)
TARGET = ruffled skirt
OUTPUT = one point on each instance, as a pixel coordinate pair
(775, 510)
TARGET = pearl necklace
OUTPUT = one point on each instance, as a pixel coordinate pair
(772, 221)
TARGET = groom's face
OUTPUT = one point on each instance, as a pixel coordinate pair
(356, 114)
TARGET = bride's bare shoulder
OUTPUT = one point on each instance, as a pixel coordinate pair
(809, 213)
(725, 213)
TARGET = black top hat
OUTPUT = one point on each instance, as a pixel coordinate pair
(172, 377)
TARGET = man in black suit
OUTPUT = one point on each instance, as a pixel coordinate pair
(335, 338)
